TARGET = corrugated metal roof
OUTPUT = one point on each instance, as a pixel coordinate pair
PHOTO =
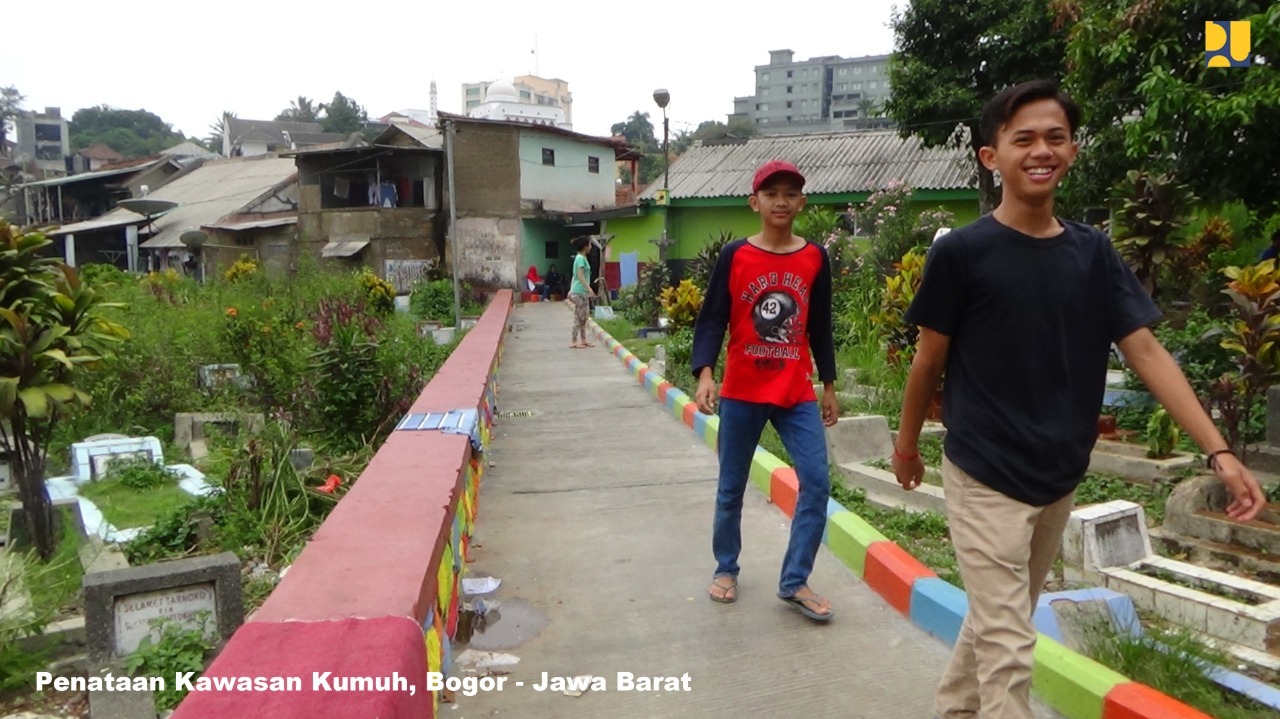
(863, 161)
(204, 196)
(89, 176)
(252, 224)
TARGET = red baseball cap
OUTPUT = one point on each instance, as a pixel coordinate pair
(775, 167)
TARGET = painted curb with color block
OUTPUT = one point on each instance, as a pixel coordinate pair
(1139, 701)
(892, 573)
(849, 536)
(784, 488)
(938, 607)
(1072, 683)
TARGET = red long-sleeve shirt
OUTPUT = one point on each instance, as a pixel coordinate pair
(777, 309)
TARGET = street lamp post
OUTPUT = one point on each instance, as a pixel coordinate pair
(662, 97)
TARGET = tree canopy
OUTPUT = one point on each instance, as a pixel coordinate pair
(1150, 102)
(950, 58)
(132, 133)
(10, 106)
(344, 115)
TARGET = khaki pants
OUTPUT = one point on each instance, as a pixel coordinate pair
(1005, 550)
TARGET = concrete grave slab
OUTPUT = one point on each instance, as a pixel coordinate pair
(213, 375)
(90, 459)
(1111, 534)
(193, 426)
(1197, 508)
(858, 439)
(120, 604)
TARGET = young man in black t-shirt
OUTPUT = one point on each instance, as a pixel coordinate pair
(1020, 309)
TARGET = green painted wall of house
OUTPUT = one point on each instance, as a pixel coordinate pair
(536, 234)
(694, 224)
(632, 234)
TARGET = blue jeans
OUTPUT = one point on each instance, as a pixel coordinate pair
(800, 427)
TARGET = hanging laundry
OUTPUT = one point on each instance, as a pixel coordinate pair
(341, 187)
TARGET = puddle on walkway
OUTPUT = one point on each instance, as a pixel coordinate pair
(507, 626)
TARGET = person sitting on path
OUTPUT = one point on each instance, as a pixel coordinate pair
(772, 293)
(534, 283)
(554, 284)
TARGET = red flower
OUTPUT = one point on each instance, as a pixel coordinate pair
(231, 312)
(330, 484)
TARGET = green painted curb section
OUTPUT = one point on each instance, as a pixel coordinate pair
(848, 537)
(1071, 683)
(762, 466)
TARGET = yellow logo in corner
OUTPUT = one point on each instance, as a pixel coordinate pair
(1226, 43)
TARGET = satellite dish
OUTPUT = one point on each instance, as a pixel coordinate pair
(193, 239)
(148, 206)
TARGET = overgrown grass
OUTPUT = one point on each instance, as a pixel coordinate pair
(125, 507)
(1098, 487)
(625, 332)
(924, 535)
(55, 585)
(1171, 660)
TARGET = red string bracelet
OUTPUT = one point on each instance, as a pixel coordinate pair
(904, 457)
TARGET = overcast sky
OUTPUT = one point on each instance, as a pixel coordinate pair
(189, 62)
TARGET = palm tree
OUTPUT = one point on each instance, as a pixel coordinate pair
(217, 130)
(304, 109)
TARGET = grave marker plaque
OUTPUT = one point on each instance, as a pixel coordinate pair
(134, 613)
(120, 604)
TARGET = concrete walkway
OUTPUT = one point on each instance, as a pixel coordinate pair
(596, 516)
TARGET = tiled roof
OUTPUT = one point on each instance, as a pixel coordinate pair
(100, 151)
(832, 163)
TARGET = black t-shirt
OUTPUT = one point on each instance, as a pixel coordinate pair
(1031, 322)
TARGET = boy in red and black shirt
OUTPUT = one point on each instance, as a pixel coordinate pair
(772, 292)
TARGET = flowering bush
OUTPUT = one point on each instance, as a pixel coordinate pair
(243, 268)
(162, 285)
(380, 293)
(893, 228)
(268, 343)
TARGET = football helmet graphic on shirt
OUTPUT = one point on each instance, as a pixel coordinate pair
(774, 316)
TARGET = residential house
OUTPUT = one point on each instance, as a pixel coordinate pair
(710, 184)
(522, 191)
(75, 198)
(188, 150)
(93, 157)
(375, 204)
(222, 208)
(247, 138)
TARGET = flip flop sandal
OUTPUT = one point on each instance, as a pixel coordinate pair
(805, 610)
(728, 593)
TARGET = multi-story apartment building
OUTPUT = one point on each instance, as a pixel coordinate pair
(533, 90)
(821, 94)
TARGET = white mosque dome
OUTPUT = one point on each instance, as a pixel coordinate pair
(502, 91)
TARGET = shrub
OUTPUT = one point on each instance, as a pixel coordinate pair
(243, 268)
(899, 290)
(433, 300)
(141, 474)
(378, 293)
(681, 304)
